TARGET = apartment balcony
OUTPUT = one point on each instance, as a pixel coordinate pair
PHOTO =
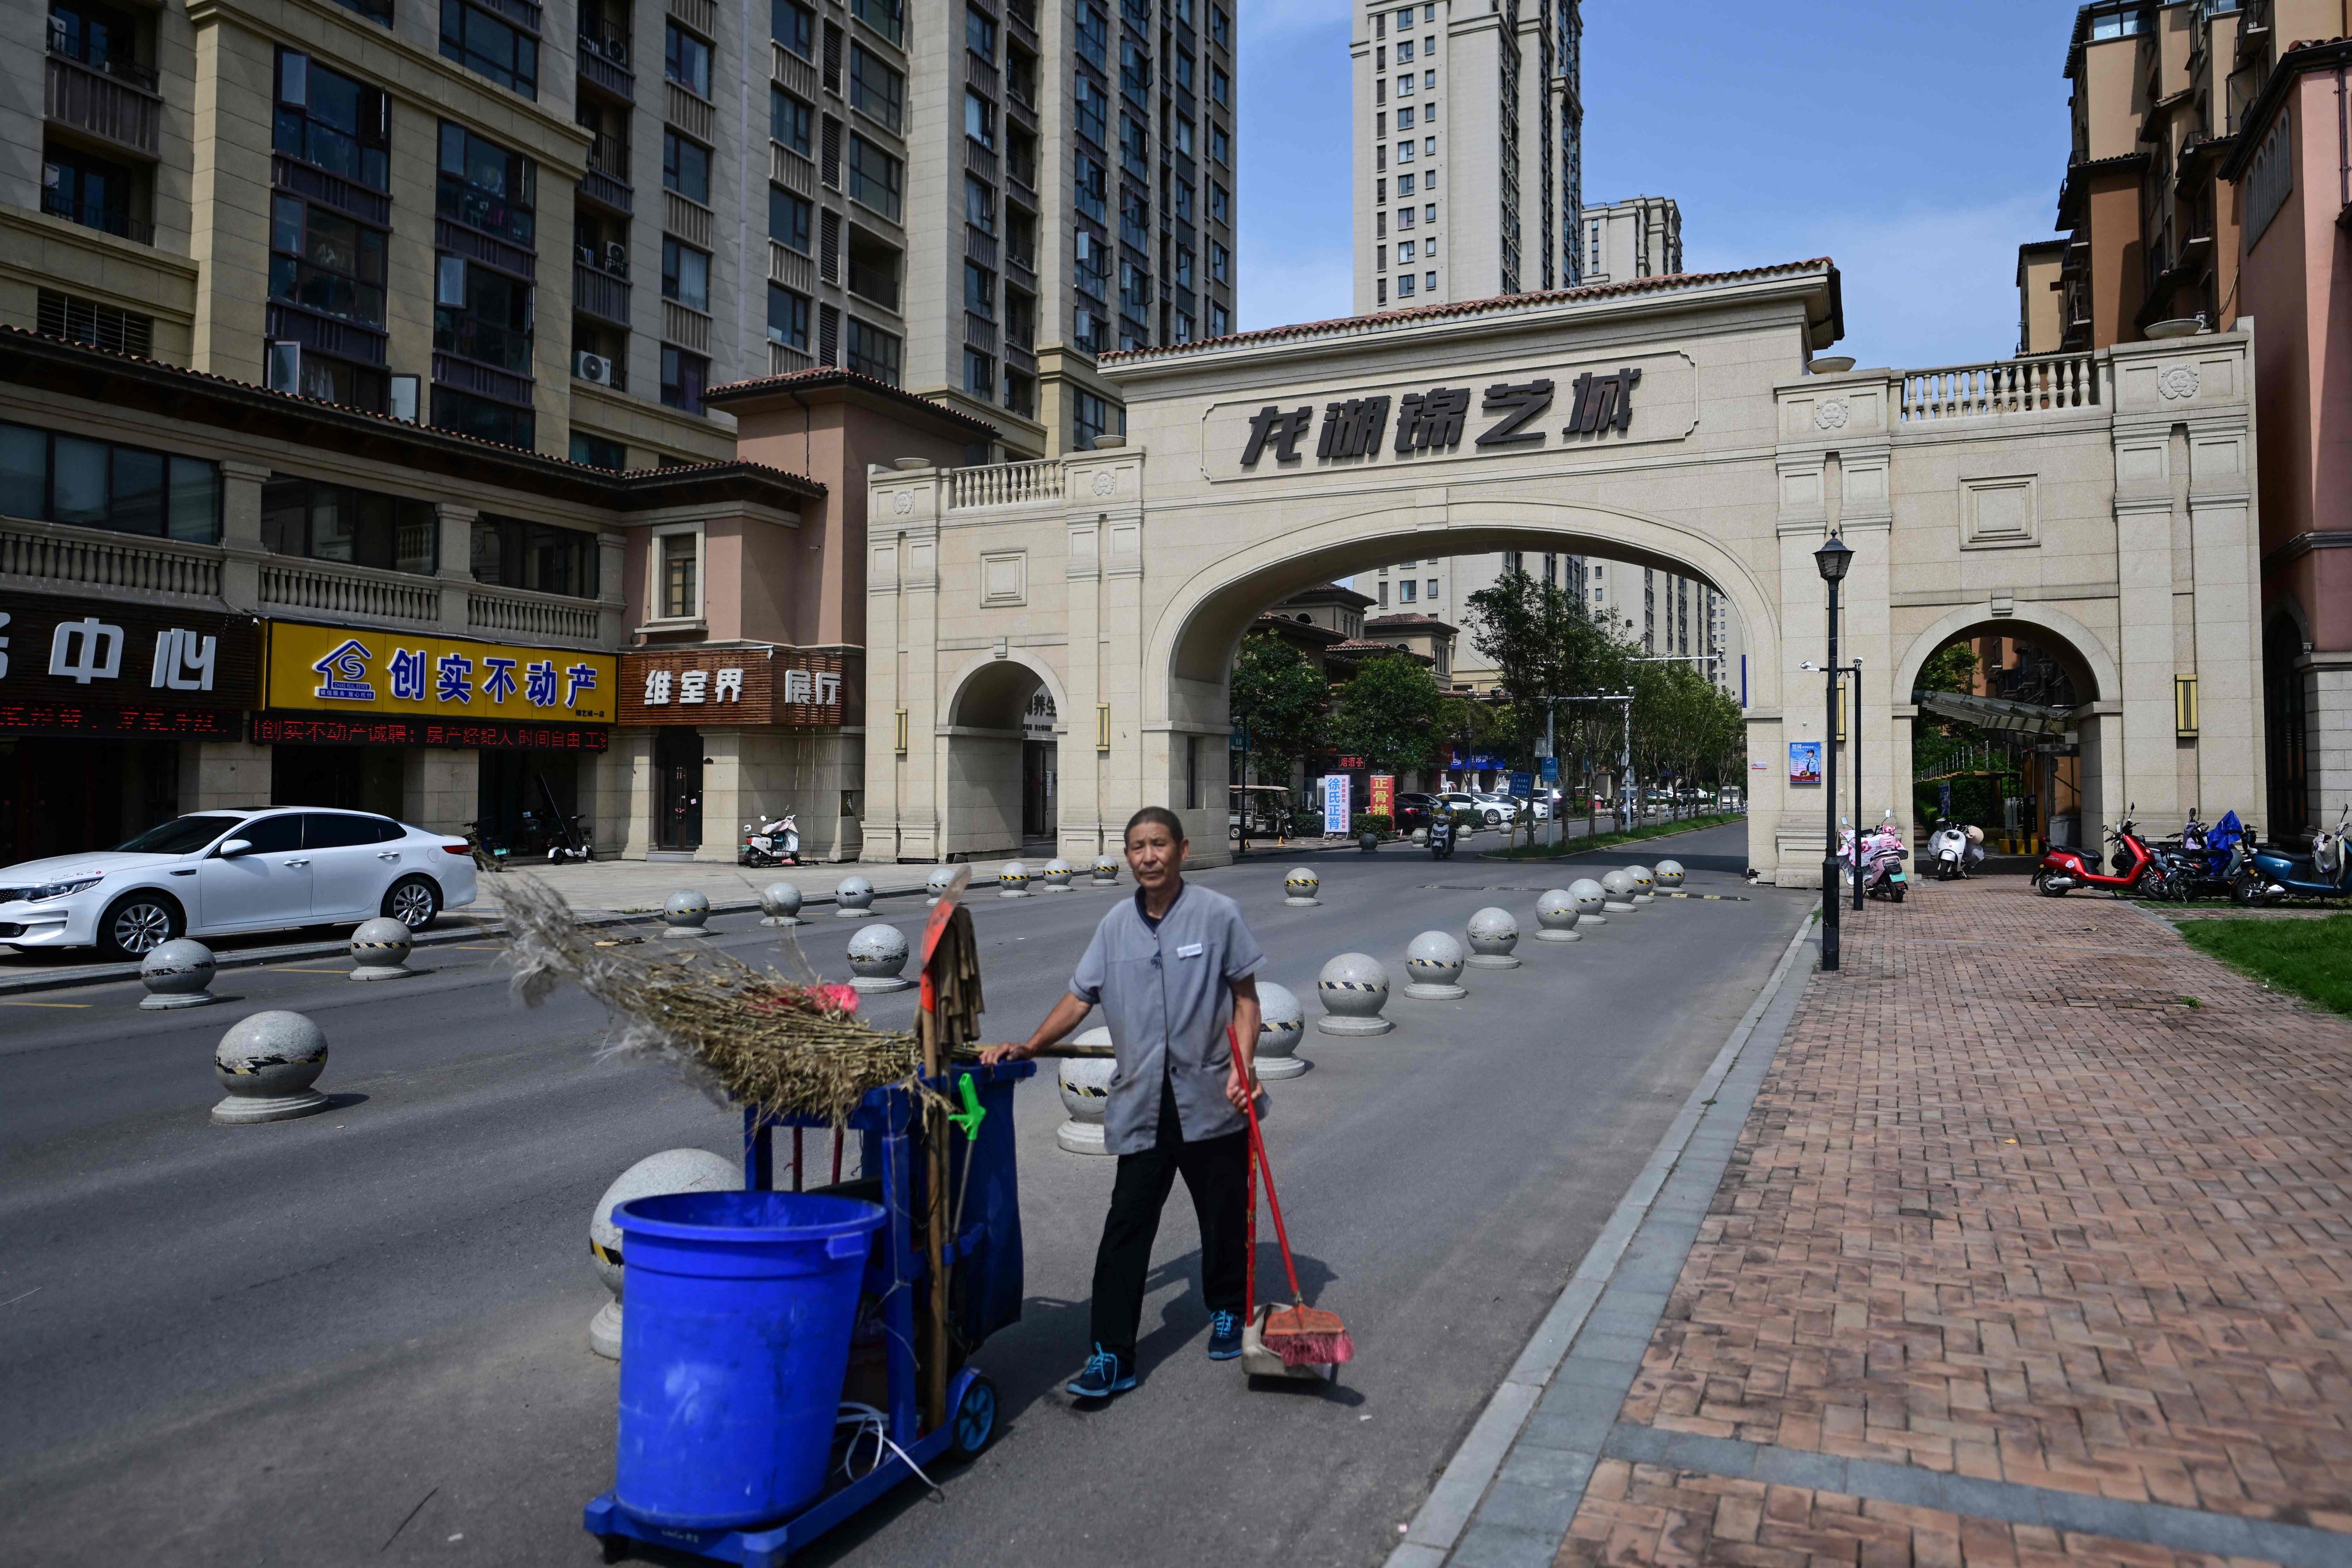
(476, 245)
(689, 220)
(606, 182)
(100, 218)
(61, 558)
(702, 15)
(353, 341)
(1006, 485)
(1021, 356)
(979, 247)
(791, 269)
(604, 61)
(351, 592)
(979, 160)
(793, 74)
(785, 360)
(2054, 383)
(690, 114)
(789, 170)
(119, 108)
(370, 206)
(517, 612)
(980, 332)
(598, 293)
(980, 72)
(685, 327)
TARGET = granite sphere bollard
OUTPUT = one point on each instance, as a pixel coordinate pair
(877, 958)
(1013, 881)
(655, 1175)
(178, 973)
(1299, 887)
(779, 905)
(1057, 875)
(1433, 968)
(1282, 1024)
(1617, 888)
(1369, 842)
(936, 885)
(1106, 871)
(1353, 988)
(1590, 898)
(1556, 916)
(685, 909)
(380, 950)
(852, 898)
(1493, 934)
(1669, 873)
(1086, 1094)
(1643, 884)
(267, 1062)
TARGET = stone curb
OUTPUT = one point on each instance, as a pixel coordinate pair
(1506, 1498)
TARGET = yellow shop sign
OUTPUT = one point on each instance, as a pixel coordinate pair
(340, 670)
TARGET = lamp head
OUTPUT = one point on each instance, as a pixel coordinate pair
(1832, 558)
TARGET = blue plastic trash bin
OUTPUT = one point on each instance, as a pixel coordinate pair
(736, 1314)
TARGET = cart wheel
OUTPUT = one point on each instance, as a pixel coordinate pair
(975, 1419)
(616, 1547)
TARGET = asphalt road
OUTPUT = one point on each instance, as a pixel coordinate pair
(362, 1336)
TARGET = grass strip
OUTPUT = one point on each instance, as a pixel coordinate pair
(2311, 959)
(1576, 846)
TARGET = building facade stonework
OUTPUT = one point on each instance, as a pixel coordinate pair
(2101, 504)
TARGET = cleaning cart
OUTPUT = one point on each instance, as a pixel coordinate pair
(888, 1440)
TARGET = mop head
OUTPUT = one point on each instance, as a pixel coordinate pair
(1307, 1336)
(745, 1037)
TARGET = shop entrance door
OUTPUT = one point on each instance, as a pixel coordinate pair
(677, 789)
(1037, 791)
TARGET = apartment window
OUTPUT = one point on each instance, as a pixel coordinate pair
(1221, 27)
(1405, 217)
(1221, 85)
(980, 290)
(681, 589)
(1134, 67)
(1431, 594)
(1380, 258)
(1134, 147)
(979, 373)
(686, 275)
(485, 187)
(978, 118)
(685, 59)
(873, 352)
(1020, 319)
(1183, 136)
(1404, 151)
(1183, 266)
(1404, 287)
(1180, 198)
(1184, 71)
(93, 192)
(485, 42)
(1221, 262)
(685, 167)
(1134, 289)
(1404, 185)
(884, 16)
(873, 270)
(1088, 329)
(338, 522)
(1406, 591)
(1091, 182)
(788, 219)
(1220, 146)
(481, 315)
(1092, 253)
(328, 121)
(1093, 37)
(1405, 252)
(1020, 74)
(543, 559)
(788, 318)
(1404, 119)
(683, 377)
(1220, 320)
(1093, 113)
(1429, 282)
(875, 88)
(979, 205)
(2115, 24)
(54, 478)
(979, 33)
(876, 177)
(598, 452)
(1135, 217)
(1404, 51)
(1404, 83)
(790, 121)
(103, 39)
(1091, 417)
(1020, 394)
(1220, 203)
(79, 321)
(323, 262)
(794, 24)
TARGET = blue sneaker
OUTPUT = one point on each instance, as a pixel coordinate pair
(1104, 1376)
(1225, 1336)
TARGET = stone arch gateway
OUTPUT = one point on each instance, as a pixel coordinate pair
(2103, 499)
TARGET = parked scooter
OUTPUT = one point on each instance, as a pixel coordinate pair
(2201, 864)
(1956, 851)
(2262, 876)
(773, 843)
(564, 837)
(1883, 854)
(488, 856)
(1440, 835)
(2136, 869)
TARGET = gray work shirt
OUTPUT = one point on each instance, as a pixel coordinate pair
(1165, 995)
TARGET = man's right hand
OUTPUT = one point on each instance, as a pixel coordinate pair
(1008, 1052)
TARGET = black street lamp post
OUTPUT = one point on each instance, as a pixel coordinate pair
(1832, 559)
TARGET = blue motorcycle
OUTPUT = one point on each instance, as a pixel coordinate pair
(2200, 864)
(2261, 877)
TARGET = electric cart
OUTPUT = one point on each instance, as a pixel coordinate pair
(982, 1250)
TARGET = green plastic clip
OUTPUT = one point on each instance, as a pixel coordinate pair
(972, 1114)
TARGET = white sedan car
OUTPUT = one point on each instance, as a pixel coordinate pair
(222, 872)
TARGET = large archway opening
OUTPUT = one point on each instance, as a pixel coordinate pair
(1004, 775)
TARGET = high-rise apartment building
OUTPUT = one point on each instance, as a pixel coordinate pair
(556, 227)
(1641, 237)
(1468, 161)
(1667, 614)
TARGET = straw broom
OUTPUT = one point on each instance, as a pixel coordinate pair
(744, 1035)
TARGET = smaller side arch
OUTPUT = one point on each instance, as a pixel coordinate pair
(958, 686)
(2084, 643)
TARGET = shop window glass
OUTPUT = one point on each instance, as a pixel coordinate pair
(64, 479)
(537, 556)
(340, 522)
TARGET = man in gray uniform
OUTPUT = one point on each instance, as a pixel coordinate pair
(1161, 967)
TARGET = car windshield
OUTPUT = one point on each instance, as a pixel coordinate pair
(180, 835)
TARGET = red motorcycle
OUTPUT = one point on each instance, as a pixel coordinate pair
(2138, 869)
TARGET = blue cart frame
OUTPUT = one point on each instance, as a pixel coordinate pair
(891, 1124)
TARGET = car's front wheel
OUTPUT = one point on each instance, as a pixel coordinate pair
(137, 924)
(414, 901)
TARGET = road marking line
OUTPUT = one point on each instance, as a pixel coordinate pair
(44, 1003)
(275, 969)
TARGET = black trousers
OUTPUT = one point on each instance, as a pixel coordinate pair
(1216, 1172)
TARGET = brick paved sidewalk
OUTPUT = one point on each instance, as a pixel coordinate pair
(2010, 1209)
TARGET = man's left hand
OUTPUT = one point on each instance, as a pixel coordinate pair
(1238, 1088)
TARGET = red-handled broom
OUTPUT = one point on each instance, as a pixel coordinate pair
(1300, 1334)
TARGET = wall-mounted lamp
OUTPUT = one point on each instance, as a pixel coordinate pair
(900, 747)
(2184, 706)
(1102, 726)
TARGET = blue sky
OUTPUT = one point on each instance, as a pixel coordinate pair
(1917, 144)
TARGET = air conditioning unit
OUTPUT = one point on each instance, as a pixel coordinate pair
(617, 50)
(617, 259)
(592, 367)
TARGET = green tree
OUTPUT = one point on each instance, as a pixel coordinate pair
(1546, 646)
(1388, 714)
(1279, 699)
(1951, 669)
